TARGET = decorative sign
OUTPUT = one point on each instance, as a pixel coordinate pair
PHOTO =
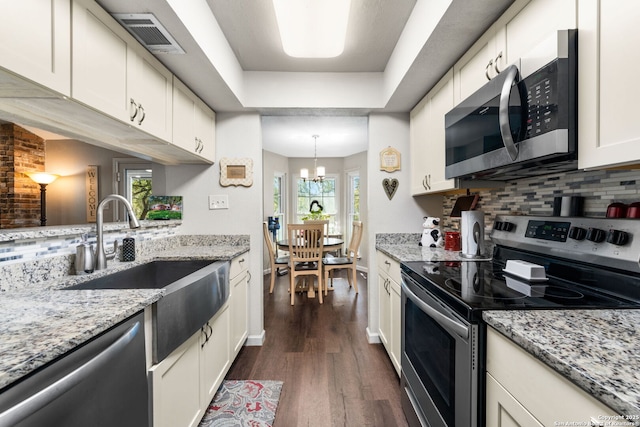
(390, 159)
(236, 172)
(390, 186)
(91, 188)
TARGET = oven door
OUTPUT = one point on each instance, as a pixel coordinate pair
(439, 362)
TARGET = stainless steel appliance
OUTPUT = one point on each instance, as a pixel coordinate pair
(523, 122)
(588, 263)
(103, 384)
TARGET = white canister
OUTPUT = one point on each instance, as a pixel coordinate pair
(472, 231)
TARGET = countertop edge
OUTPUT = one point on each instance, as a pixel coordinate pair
(596, 386)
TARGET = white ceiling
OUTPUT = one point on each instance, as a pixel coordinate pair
(395, 52)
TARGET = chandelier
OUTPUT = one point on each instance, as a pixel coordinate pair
(318, 170)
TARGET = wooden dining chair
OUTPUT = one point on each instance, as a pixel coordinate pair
(306, 243)
(349, 261)
(275, 261)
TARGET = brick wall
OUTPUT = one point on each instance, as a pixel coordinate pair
(20, 152)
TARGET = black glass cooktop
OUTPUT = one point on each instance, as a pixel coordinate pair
(474, 286)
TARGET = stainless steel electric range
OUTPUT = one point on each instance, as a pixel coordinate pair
(588, 263)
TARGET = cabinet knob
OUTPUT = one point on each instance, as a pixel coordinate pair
(488, 68)
(133, 109)
(143, 114)
(496, 62)
(426, 182)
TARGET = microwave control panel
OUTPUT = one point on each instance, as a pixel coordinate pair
(542, 100)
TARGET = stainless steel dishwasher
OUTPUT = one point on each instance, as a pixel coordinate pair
(102, 383)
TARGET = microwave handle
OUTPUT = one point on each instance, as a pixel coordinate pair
(503, 112)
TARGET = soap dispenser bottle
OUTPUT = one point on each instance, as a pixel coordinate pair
(84, 262)
(128, 249)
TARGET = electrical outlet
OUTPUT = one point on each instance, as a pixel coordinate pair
(219, 202)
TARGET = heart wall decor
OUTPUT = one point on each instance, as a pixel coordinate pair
(390, 186)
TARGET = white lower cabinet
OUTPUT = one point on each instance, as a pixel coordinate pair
(389, 307)
(214, 356)
(184, 383)
(523, 391)
(175, 399)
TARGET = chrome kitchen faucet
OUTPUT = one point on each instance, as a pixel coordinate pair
(101, 255)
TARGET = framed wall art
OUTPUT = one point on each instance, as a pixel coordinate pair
(390, 159)
(236, 172)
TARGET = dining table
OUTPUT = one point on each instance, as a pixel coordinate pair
(330, 244)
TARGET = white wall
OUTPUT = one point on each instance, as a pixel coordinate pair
(237, 135)
(403, 213)
(66, 196)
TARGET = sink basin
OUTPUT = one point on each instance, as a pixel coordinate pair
(194, 292)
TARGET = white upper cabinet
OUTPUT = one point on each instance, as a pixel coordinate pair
(194, 122)
(112, 74)
(36, 43)
(608, 127)
(427, 140)
(524, 25)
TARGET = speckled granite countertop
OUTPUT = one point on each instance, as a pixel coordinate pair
(412, 252)
(36, 326)
(595, 349)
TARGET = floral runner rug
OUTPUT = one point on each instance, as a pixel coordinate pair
(243, 403)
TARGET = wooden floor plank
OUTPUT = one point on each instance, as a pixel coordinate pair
(332, 376)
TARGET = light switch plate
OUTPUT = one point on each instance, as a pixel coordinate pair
(219, 202)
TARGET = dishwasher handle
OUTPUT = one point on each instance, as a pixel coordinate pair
(17, 413)
(459, 329)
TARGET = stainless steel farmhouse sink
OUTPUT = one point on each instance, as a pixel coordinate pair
(195, 291)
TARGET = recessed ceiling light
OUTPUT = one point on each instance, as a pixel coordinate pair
(312, 28)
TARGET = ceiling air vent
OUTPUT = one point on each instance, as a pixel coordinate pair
(146, 28)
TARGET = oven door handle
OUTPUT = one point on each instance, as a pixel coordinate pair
(444, 321)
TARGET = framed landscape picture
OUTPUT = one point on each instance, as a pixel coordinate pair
(164, 207)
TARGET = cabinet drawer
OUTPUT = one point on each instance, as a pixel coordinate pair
(547, 395)
(388, 265)
(238, 265)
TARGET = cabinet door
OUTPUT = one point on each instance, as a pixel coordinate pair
(183, 116)
(503, 410)
(101, 60)
(384, 310)
(395, 321)
(175, 383)
(427, 135)
(205, 130)
(36, 42)
(239, 312)
(151, 88)
(476, 66)
(214, 355)
(608, 129)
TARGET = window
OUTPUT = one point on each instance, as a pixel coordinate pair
(322, 191)
(133, 181)
(279, 203)
(353, 201)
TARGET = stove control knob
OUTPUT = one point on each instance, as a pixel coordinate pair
(498, 225)
(596, 235)
(618, 237)
(577, 233)
(508, 226)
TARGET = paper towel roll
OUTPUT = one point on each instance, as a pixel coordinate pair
(472, 230)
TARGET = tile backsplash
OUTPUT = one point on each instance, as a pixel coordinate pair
(534, 196)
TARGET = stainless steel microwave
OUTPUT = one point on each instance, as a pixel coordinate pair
(521, 123)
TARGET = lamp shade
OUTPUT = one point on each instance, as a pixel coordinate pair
(304, 173)
(42, 177)
(320, 171)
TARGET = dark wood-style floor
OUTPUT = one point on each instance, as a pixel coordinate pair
(332, 376)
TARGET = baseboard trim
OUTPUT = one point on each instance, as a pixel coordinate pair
(255, 340)
(373, 338)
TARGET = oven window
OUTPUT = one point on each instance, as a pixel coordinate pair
(431, 351)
